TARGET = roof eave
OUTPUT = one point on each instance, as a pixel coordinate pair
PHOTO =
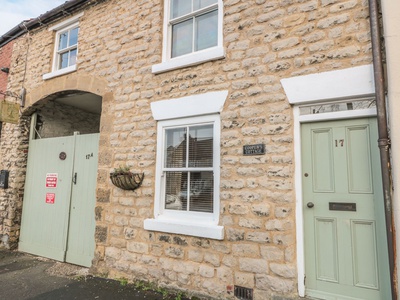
(44, 19)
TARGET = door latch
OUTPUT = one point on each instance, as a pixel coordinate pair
(74, 178)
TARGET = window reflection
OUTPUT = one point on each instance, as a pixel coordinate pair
(192, 188)
(338, 106)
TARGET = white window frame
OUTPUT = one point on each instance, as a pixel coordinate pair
(59, 29)
(191, 110)
(160, 186)
(193, 58)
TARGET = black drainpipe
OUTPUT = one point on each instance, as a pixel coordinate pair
(384, 141)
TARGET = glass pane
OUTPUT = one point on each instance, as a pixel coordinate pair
(206, 31)
(180, 8)
(63, 60)
(72, 57)
(201, 146)
(176, 190)
(175, 148)
(340, 106)
(62, 43)
(197, 4)
(182, 38)
(201, 191)
(73, 36)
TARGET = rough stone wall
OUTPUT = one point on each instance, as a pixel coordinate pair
(13, 155)
(14, 151)
(14, 139)
(5, 60)
(57, 119)
(264, 42)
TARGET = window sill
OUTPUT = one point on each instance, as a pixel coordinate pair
(59, 72)
(189, 60)
(187, 228)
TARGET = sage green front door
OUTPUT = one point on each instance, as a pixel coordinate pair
(345, 240)
(59, 199)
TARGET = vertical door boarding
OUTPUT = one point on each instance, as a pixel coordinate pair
(59, 199)
(345, 240)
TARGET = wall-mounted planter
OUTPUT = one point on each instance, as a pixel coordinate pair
(127, 180)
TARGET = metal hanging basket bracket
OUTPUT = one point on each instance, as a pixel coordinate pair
(127, 181)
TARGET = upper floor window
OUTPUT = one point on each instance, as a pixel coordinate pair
(194, 26)
(192, 33)
(65, 47)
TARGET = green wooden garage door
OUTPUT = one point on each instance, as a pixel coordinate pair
(59, 199)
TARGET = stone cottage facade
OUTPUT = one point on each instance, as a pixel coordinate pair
(235, 92)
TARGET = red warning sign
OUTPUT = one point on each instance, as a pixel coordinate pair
(51, 180)
(50, 198)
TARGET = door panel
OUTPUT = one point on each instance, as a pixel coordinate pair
(322, 161)
(81, 243)
(345, 240)
(44, 225)
(358, 160)
(326, 248)
(364, 249)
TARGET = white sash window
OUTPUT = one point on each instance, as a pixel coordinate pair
(192, 33)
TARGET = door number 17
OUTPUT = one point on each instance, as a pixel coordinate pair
(339, 143)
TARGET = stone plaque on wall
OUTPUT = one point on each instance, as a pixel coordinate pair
(257, 149)
(9, 112)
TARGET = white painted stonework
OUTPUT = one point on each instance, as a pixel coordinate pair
(341, 84)
(194, 105)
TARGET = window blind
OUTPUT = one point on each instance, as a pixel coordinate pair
(191, 187)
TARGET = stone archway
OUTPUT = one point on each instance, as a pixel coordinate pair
(74, 81)
(14, 149)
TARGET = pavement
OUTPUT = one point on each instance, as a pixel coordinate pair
(24, 276)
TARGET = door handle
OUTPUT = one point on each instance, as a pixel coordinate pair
(310, 205)
(74, 178)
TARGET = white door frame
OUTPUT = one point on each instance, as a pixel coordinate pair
(332, 86)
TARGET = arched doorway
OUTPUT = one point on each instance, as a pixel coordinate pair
(58, 219)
